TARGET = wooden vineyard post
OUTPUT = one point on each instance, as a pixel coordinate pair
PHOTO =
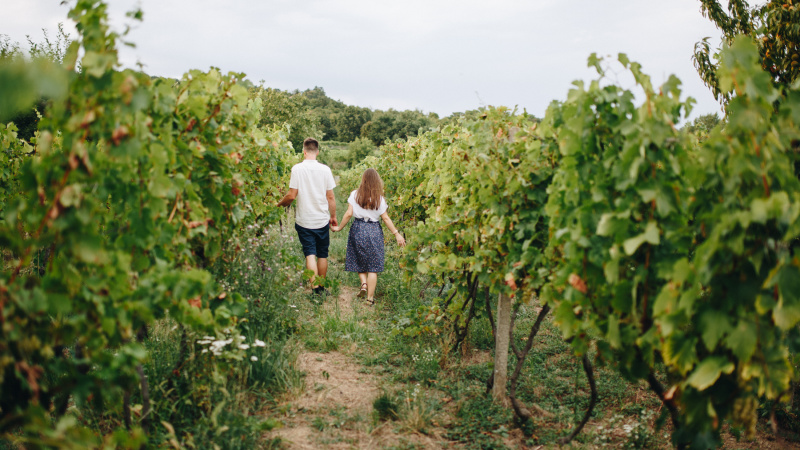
(502, 336)
(501, 342)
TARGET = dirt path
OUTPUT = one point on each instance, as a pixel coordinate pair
(335, 392)
(333, 410)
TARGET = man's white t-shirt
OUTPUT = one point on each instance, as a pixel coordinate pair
(373, 215)
(312, 180)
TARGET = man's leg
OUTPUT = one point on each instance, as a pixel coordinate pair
(322, 267)
(311, 264)
(307, 239)
(322, 241)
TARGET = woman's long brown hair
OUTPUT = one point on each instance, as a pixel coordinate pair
(370, 191)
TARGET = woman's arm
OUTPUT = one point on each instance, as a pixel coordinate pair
(347, 215)
(400, 239)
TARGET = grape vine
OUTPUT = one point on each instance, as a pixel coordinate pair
(653, 249)
(133, 187)
(658, 254)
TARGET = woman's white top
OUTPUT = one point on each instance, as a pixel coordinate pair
(373, 215)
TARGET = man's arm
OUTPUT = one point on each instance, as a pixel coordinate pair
(289, 198)
(332, 207)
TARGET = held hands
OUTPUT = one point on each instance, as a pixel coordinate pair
(335, 224)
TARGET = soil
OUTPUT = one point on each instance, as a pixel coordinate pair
(333, 383)
(333, 409)
(764, 439)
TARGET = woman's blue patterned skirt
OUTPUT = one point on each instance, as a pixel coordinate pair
(364, 247)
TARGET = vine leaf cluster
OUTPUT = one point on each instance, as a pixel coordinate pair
(650, 247)
(129, 191)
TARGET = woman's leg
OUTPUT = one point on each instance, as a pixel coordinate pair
(372, 281)
(362, 288)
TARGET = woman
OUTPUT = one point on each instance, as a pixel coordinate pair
(365, 242)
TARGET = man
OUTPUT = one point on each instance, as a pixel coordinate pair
(312, 185)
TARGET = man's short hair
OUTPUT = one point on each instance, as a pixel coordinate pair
(311, 145)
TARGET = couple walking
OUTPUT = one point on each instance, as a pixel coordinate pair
(312, 185)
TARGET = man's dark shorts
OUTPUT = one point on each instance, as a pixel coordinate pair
(314, 242)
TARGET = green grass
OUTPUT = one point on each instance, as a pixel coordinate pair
(481, 423)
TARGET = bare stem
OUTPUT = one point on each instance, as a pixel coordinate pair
(587, 367)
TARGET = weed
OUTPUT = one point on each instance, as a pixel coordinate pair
(417, 411)
(385, 407)
(426, 364)
(406, 445)
(635, 433)
(480, 334)
(481, 423)
(318, 423)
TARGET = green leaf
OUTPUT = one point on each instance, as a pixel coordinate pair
(97, 64)
(742, 340)
(665, 302)
(708, 371)
(613, 332)
(664, 203)
(594, 61)
(71, 195)
(714, 325)
(160, 185)
(565, 317)
(611, 271)
(787, 313)
(679, 351)
(647, 195)
(650, 235)
(758, 208)
(681, 270)
(90, 249)
(604, 226)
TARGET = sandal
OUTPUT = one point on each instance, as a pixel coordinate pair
(363, 291)
(370, 301)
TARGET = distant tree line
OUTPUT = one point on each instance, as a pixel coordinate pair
(313, 113)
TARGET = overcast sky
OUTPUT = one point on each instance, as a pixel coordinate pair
(435, 55)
